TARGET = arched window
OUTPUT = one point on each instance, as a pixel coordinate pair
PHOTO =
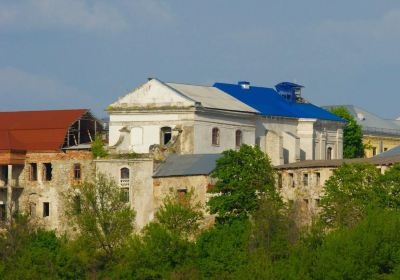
(215, 136)
(166, 135)
(329, 153)
(238, 138)
(124, 176)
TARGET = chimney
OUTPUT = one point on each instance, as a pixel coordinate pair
(244, 84)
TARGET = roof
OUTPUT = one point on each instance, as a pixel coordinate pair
(187, 165)
(211, 97)
(371, 123)
(385, 160)
(36, 130)
(269, 103)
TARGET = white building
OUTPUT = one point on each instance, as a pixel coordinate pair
(192, 119)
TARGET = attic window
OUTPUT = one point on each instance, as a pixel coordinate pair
(166, 135)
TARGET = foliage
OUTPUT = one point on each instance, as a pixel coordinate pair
(243, 177)
(353, 146)
(180, 215)
(348, 193)
(98, 150)
(100, 214)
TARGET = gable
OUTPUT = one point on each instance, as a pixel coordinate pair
(152, 95)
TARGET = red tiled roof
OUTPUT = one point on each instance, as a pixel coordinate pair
(36, 130)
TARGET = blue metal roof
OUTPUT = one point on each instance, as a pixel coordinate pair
(269, 103)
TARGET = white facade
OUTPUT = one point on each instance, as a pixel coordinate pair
(190, 113)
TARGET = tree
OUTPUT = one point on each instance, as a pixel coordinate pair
(102, 217)
(180, 215)
(390, 183)
(98, 150)
(353, 146)
(243, 178)
(349, 192)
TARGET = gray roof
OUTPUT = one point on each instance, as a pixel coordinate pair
(392, 152)
(371, 123)
(211, 97)
(187, 165)
(385, 160)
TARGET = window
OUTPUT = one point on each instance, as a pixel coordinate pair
(47, 171)
(238, 138)
(182, 196)
(329, 153)
(3, 213)
(305, 201)
(166, 135)
(46, 209)
(33, 171)
(317, 202)
(305, 179)
(77, 171)
(77, 204)
(124, 176)
(385, 149)
(125, 194)
(291, 180)
(374, 151)
(318, 178)
(215, 136)
(32, 210)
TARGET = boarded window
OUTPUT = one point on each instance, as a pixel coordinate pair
(47, 171)
(124, 176)
(238, 138)
(77, 171)
(166, 135)
(215, 136)
(33, 171)
(46, 209)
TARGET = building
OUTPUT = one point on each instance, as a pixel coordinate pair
(43, 153)
(379, 135)
(192, 119)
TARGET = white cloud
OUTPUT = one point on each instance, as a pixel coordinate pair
(21, 90)
(73, 14)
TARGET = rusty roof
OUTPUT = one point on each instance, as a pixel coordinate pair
(36, 130)
(389, 160)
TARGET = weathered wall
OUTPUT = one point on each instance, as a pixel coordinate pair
(140, 184)
(380, 143)
(40, 191)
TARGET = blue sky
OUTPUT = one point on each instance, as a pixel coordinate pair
(84, 53)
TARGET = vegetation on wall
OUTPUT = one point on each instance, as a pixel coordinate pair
(353, 146)
(98, 148)
(356, 236)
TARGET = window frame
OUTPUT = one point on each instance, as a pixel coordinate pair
(165, 130)
(77, 169)
(215, 136)
(238, 138)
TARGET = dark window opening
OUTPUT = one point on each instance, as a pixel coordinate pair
(385, 149)
(329, 153)
(166, 135)
(46, 209)
(305, 201)
(305, 179)
(125, 195)
(33, 172)
(47, 171)
(291, 180)
(238, 138)
(3, 212)
(124, 176)
(318, 178)
(215, 136)
(77, 171)
(317, 202)
(279, 181)
(374, 151)
(182, 195)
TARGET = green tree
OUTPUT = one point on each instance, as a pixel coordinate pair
(390, 184)
(98, 150)
(180, 215)
(353, 146)
(103, 219)
(243, 178)
(349, 192)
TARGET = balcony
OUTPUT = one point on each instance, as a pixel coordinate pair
(124, 182)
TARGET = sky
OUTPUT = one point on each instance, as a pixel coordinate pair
(57, 54)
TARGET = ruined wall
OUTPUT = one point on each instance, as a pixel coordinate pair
(37, 192)
(140, 184)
